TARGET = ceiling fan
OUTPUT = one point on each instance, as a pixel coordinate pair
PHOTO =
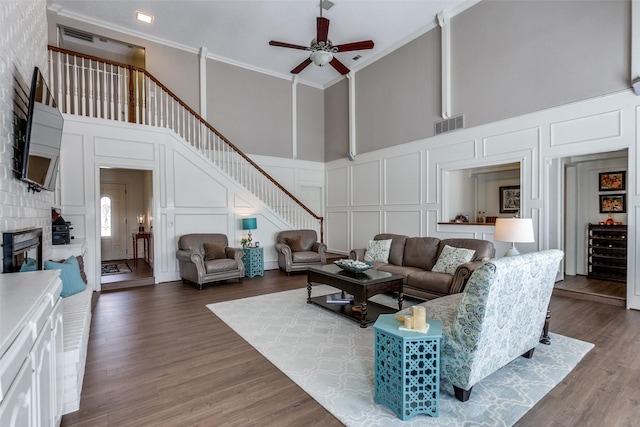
(322, 50)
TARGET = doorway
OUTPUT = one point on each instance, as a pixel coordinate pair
(126, 198)
(582, 195)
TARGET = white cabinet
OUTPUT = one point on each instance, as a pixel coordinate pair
(30, 349)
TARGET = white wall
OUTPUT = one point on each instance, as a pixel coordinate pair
(188, 195)
(377, 193)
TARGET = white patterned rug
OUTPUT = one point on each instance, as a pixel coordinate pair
(331, 358)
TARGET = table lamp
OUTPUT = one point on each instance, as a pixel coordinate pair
(140, 222)
(249, 224)
(514, 230)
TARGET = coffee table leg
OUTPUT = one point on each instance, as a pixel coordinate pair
(400, 300)
(363, 314)
(308, 292)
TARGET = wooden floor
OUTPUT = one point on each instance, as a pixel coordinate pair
(158, 357)
(141, 274)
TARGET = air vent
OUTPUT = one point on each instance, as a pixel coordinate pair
(447, 125)
(77, 34)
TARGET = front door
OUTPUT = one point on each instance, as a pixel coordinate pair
(113, 221)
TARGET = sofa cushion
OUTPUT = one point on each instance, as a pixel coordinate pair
(214, 251)
(69, 274)
(378, 251)
(295, 243)
(219, 265)
(421, 252)
(397, 246)
(397, 269)
(430, 281)
(305, 256)
(450, 258)
(484, 248)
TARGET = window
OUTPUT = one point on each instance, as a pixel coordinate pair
(105, 217)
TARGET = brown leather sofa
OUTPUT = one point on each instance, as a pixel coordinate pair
(299, 249)
(414, 257)
(199, 266)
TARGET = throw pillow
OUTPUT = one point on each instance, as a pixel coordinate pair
(29, 264)
(214, 251)
(70, 274)
(81, 265)
(378, 251)
(295, 243)
(450, 258)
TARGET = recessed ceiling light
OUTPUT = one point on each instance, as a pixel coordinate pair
(144, 17)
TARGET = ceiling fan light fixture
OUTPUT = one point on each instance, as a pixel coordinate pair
(321, 57)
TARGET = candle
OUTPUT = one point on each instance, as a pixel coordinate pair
(419, 317)
(408, 322)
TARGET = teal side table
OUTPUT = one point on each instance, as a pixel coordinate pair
(253, 261)
(407, 368)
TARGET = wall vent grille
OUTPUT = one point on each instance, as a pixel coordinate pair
(447, 125)
(77, 34)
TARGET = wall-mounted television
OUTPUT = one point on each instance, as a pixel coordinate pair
(38, 137)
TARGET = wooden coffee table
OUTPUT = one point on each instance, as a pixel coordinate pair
(362, 286)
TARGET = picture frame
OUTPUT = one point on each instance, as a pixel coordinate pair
(612, 181)
(510, 199)
(613, 203)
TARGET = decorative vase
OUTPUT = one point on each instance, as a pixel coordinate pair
(609, 220)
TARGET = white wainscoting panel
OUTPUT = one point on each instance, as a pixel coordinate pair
(203, 189)
(337, 187)
(123, 149)
(402, 179)
(365, 184)
(337, 232)
(365, 225)
(72, 170)
(511, 142)
(407, 222)
(201, 223)
(588, 128)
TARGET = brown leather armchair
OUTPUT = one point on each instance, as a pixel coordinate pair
(299, 249)
(206, 258)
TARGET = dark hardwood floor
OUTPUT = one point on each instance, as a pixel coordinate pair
(158, 357)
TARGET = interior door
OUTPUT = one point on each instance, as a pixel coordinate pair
(113, 221)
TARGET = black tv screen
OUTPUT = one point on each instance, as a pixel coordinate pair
(39, 145)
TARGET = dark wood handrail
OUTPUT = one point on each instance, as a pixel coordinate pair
(132, 68)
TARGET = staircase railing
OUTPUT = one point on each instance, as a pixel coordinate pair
(93, 87)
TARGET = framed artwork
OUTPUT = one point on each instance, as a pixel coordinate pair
(510, 199)
(613, 181)
(615, 203)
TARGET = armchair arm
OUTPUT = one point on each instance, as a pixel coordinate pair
(284, 256)
(283, 248)
(462, 274)
(190, 258)
(357, 254)
(320, 248)
(234, 253)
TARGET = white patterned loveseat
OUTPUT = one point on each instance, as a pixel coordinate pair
(497, 318)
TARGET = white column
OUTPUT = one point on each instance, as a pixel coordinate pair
(443, 20)
(294, 116)
(635, 40)
(203, 82)
(352, 115)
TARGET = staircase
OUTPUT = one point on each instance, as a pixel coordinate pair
(93, 87)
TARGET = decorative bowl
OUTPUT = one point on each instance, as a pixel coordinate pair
(352, 266)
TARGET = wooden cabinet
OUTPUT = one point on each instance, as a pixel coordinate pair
(607, 252)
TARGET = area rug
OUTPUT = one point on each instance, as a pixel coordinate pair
(332, 359)
(116, 268)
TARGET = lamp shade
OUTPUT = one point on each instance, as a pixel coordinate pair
(249, 223)
(321, 57)
(514, 230)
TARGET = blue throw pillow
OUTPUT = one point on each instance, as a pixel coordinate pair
(70, 274)
(29, 265)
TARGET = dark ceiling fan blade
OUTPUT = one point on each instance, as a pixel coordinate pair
(289, 45)
(339, 66)
(365, 44)
(323, 29)
(304, 64)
